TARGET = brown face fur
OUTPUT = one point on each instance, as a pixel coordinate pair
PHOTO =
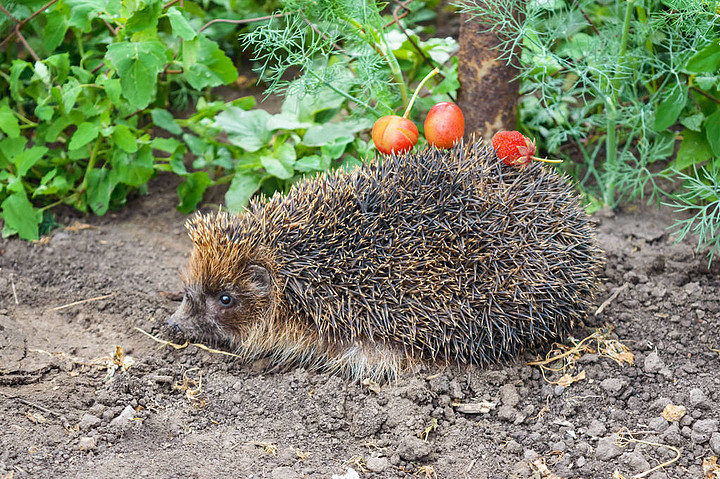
(228, 286)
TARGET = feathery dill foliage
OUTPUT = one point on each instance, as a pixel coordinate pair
(614, 82)
(335, 43)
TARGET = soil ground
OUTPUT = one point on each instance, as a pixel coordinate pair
(190, 413)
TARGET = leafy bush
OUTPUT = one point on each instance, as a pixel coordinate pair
(85, 87)
(622, 85)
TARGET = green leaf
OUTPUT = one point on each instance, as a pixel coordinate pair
(168, 145)
(20, 216)
(42, 72)
(8, 123)
(11, 147)
(112, 89)
(712, 132)
(165, 120)
(85, 133)
(70, 92)
(82, 12)
(144, 18)
(280, 163)
(706, 82)
(706, 60)
(320, 135)
(205, 65)
(125, 139)
(61, 65)
(16, 69)
(669, 109)
(312, 163)
(133, 170)
(246, 129)
(694, 150)
(336, 148)
(55, 30)
(27, 159)
(693, 122)
(242, 187)
(100, 185)
(197, 145)
(138, 65)
(180, 26)
(57, 127)
(191, 190)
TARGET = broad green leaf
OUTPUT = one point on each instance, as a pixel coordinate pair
(85, 133)
(57, 127)
(168, 145)
(42, 72)
(44, 112)
(197, 145)
(246, 129)
(8, 123)
(180, 26)
(280, 163)
(144, 18)
(693, 121)
(112, 89)
(55, 30)
(706, 82)
(307, 107)
(312, 163)
(20, 216)
(133, 170)
(11, 147)
(694, 150)
(669, 109)
(320, 135)
(712, 132)
(285, 121)
(191, 191)
(242, 187)
(70, 92)
(61, 65)
(125, 139)
(138, 65)
(706, 60)
(205, 65)
(100, 185)
(16, 69)
(82, 12)
(165, 120)
(244, 102)
(27, 159)
(336, 148)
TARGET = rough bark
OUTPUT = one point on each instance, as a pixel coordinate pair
(488, 96)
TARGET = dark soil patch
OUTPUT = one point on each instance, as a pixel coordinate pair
(61, 415)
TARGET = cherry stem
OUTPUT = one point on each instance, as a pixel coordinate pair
(545, 160)
(434, 72)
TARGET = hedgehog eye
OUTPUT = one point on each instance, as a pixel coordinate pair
(226, 300)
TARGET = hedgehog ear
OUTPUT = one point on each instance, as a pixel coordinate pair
(259, 280)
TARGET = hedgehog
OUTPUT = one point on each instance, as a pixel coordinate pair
(439, 256)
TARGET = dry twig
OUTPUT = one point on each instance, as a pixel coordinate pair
(75, 303)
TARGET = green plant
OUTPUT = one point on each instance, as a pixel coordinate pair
(616, 84)
(78, 105)
(349, 47)
(86, 86)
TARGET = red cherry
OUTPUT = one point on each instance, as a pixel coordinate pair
(444, 125)
(394, 133)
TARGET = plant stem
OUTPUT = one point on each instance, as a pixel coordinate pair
(611, 137)
(91, 162)
(385, 53)
(432, 73)
(346, 95)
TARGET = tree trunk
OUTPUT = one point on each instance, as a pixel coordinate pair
(488, 96)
